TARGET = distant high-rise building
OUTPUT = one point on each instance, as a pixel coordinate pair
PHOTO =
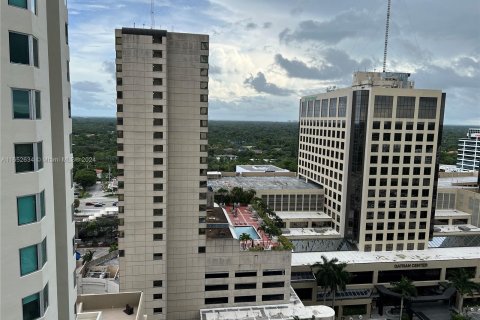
(37, 261)
(174, 245)
(162, 95)
(374, 148)
(468, 156)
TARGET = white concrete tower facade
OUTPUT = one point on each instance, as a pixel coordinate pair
(37, 259)
(162, 107)
(374, 148)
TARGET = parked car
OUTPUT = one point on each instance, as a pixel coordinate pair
(98, 205)
(114, 204)
(89, 203)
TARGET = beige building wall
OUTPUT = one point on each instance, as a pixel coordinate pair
(292, 199)
(261, 277)
(162, 85)
(187, 176)
(46, 27)
(466, 200)
(441, 267)
(378, 168)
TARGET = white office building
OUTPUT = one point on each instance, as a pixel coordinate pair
(373, 147)
(468, 155)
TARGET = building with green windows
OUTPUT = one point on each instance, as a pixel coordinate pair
(37, 261)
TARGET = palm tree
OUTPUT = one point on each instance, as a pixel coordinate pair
(244, 237)
(406, 290)
(331, 275)
(341, 278)
(324, 273)
(460, 280)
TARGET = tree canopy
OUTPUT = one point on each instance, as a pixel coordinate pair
(85, 178)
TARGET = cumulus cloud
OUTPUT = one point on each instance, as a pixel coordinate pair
(335, 64)
(463, 72)
(349, 24)
(260, 84)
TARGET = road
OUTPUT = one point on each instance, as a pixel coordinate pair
(96, 195)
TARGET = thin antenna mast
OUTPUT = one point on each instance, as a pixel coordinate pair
(387, 26)
(152, 13)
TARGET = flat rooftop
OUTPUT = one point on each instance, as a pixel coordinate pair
(216, 215)
(451, 213)
(269, 312)
(460, 229)
(261, 183)
(457, 182)
(259, 168)
(358, 257)
(109, 305)
(306, 233)
(289, 215)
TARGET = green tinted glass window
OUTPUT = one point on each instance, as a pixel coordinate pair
(28, 260)
(40, 155)
(24, 161)
(44, 251)
(18, 3)
(19, 52)
(42, 204)
(31, 307)
(35, 52)
(45, 297)
(21, 104)
(38, 110)
(26, 209)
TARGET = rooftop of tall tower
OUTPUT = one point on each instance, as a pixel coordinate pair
(382, 79)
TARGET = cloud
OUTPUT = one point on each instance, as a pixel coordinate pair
(88, 86)
(213, 69)
(251, 26)
(463, 72)
(108, 66)
(319, 46)
(260, 84)
(334, 65)
(349, 24)
(267, 25)
(257, 108)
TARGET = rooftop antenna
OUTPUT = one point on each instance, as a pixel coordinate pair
(152, 13)
(387, 26)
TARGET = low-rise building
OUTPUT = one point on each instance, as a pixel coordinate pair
(428, 269)
(280, 193)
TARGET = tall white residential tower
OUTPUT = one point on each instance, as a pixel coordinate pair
(37, 261)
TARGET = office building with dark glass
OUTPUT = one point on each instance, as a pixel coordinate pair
(373, 147)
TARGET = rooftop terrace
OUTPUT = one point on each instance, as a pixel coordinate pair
(109, 306)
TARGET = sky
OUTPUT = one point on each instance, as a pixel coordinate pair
(266, 54)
